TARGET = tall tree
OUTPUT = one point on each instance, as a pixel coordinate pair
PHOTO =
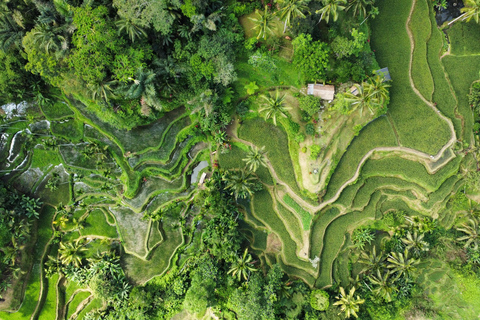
(384, 287)
(402, 264)
(255, 158)
(372, 261)
(291, 9)
(471, 10)
(242, 267)
(349, 304)
(415, 243)
(359, 7)
(274, 106)
(240, 182)
(131, 27)
(71, 253)
(471, 229)
(263, 23)
(11, 34)
(331, 8)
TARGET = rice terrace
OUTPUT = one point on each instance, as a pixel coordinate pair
(239, 159)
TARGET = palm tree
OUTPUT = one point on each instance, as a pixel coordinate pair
(291, 9)
(103, 89)
(331, 7)
(11, 34)
(71, 253)
(361, 100)
(262, 23)
(131, 28)
(240, 182)
(472, 233)
(402, 264)
(44, 37)
(372, 261)
(471, 10)
(377, 88)
(415, 243)
(208, 22)
(243, 266)
(139, 84)
(384, 286)
(274, 106)
(359, 7)
(255, 157)
(349, 304)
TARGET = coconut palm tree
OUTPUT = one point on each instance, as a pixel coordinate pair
(243, 266)
(262, 23)
(384, 286)
(331, 8)
(71, 253)
(471, 10)
(349, 304)
(46, 38)
(359, 7)
(371, 260)
(11, 34)
(239, 182)
(402, 264)
(290, 9)
(472, 233)
(414, 242)
(131, 28)
(274, 106)
(361, 100)
(103, 89)
(255, 157)
(377, 88)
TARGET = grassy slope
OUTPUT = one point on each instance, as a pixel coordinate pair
(418, 125)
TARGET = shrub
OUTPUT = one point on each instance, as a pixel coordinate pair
(315, 151)
(474, 97)
(304, 149)
(309, 104)
(295, 127)
(319, 300)
(310, 129)
(262, 61)
(300, 137)
(362, 236)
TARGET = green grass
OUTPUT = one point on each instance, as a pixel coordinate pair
(378, 133)
(421, 30)
(318, 230)
(32, 292)
(461, 78)
(44, 158)
(334, 239)
(305, 215)
(79, 297)
(141, 271)
(418, 125)
(70, 129)
(275, 140)
(291, 222)
(48, 311)
(96, 224)
(442, 95)
(464, 38)
(263, 207)
(57, 111)
(96, 303)
(410, 170)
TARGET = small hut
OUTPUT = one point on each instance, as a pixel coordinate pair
(385, 73)
(324, 92)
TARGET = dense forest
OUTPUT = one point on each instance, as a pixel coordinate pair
(240, 159)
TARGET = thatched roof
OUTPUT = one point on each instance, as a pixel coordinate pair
(325, 92)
